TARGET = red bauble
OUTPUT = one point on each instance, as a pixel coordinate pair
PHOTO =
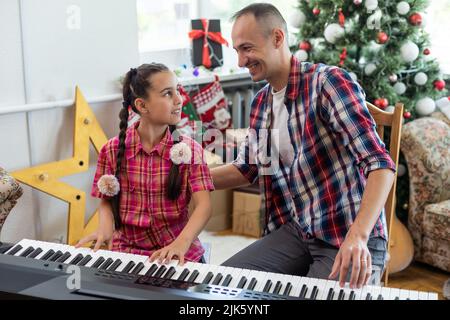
(439, 85)
(426, 51)
(406, 114)
(305, 45)
(415, 19)
(316, 11)
(382, 37)
(381, 103)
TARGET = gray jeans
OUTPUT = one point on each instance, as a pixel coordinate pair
(284, 251)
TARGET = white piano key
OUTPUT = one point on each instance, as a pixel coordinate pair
(296, 287)
(394, 293)
(261, 278)
(312, 282)
(275, 278)
(203, 272)
(236, 276)
(385, 293)
(423, 295)
(244, 273)
(433, 296)
(376, 290)
(287, 279)
(404, 294)
(328, 285)
(321, 284)
(413, 295)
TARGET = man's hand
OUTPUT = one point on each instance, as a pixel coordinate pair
(355, 253)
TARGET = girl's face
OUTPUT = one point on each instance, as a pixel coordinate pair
(164, 102)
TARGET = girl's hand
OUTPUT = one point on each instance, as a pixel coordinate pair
(104, 233)
(178, 249)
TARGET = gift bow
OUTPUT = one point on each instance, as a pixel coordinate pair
(205, 33)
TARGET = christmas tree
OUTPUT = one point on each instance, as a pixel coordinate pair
(383, 45)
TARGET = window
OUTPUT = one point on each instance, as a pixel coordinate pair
(164, 25)
(437, 25)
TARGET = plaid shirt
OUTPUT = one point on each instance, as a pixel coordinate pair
(335, 145)
(150, 219)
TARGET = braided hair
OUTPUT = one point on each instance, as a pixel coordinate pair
(137, 84)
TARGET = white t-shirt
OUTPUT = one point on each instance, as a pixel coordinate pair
(280, 118)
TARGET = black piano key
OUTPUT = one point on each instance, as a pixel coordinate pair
(217, 279)
(76, 259)
(85, 260)
(252, 284)
(27, 251)
(106, 264)
(98, 262)
(267, 286)
(314, 293)
(397, 298)
(151, 270)
(208, 278)
(14, 250)
(64, 257)
(170, 273)
(277, 288)
(368, 296)
(160, 271)
(128, 267)
(303, 291)
(341, 295)
(115, 265)
(138, 268)
(48, 254)
(35, 253)
(288, 289)
(55, 256)
(242, 283)
(330, 294)
(227, 280)
(352, 295)
(193, 276)
(183, 274)
(380, 297)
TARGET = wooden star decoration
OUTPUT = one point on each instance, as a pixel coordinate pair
(45, 177)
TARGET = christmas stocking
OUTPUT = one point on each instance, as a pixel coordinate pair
(189, 118)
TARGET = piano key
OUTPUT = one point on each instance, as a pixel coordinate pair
(86, 259)
(227, 280)
(241, 280)
(193, 277)
(330, 284)
(261, 277)
(14, 250)
(106, 264)
(130, 265)
(218, 277)
(138, 268)
(432, 296)
(26, 252)
(376, 290)
(220, 274)
(231, 277)
(297, 283)
(423, 295)
(205, 271)
(287, 290)
(385, 292)
(404, 294)
(277, 282)
(47, 255)
(209, 276)
(64, 257)
(320, 291)
(311, 284)
(252, 283)
(413, 295)
(151, 271)
(55, 256)
(98, 262)
(267, 286)
(183, 274)
(77, 258)
(170, 273)
(35, 253)
(303, 291)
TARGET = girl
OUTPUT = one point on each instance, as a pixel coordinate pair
(146, 175)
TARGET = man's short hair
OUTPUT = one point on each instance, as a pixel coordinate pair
(265, 14)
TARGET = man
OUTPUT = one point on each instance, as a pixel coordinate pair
(324, 205)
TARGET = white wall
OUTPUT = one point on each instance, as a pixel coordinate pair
(46, 48)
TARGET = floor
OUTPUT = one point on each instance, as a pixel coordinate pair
(222, 245)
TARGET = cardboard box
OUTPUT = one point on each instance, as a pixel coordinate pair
(247, 218)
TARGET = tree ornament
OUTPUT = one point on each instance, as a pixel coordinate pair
(426, 51)
(403, 8)
(382, 37)
(371, 5)
(316, 11)
(333, 32)
(405, 206)
(343, 56)
(353, 76)
(406, 114)
(357, 2)
(425, 106)
(415, 19)
(390, 109)
(381, 103)
(341, 18)
(297, 19)
(301, 55)
(401, 170)
(399, 88)
(420, 78)
(439, 84)
(393, 78)
(305, 45)
(370, 68)
(409, 51)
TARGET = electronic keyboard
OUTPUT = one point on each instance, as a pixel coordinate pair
(45, 270)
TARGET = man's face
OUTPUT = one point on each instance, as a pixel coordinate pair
(255, 50)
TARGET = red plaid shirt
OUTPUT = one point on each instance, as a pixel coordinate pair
(335, 147)
(150, 219)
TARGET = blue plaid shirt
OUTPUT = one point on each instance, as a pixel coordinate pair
(335, 145)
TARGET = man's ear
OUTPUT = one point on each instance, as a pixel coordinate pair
(278, 37)
(140, 105)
